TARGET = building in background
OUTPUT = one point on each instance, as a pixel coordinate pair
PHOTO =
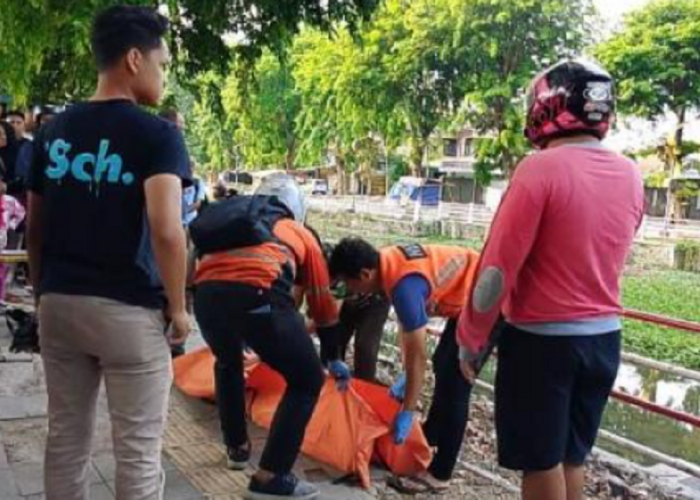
(457, 169)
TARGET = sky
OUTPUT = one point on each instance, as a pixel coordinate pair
(634, 132)
(613, 10)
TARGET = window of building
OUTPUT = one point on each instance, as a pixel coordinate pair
(450, 148)
(468, 149)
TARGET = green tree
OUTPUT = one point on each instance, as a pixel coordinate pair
(656, 61)
(411, 67)
(505, 43)
(210, 130)
(398, 80)
(412, 44)
(341, 107)
(183, 100)
(45, 51)
(265, 107)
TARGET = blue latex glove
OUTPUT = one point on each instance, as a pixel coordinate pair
(398, 389)
(403, 423)
(341, 374)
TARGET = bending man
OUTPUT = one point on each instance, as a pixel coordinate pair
(421, 281)
(246, 295)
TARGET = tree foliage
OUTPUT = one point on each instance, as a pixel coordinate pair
(340, 104)
(396, 80)
(505, 43)
(656, 61)
(297, 95)
(417, 63)
(210, 130)
(413, 45)
(408, 72)
(264, 107)
(45, 43)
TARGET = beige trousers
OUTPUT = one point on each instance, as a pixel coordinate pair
(84, 339)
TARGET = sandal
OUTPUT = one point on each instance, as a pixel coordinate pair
(412, 485)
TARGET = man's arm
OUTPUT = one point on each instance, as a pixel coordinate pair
(316, 284)
(35, 217)
(415, 363)
(512, 236)
(164, 209)
(513, 233)
(409, 298)
(35, 238)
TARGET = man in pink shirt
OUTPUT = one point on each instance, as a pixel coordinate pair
(552, 267)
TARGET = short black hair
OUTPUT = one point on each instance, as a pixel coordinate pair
(118, 29)
(45, 111)
(15, 112)
(351, 256)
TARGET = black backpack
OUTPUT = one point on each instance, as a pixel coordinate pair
(24, 329)
(237, 222)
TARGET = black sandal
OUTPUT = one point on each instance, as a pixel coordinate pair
(413, 485)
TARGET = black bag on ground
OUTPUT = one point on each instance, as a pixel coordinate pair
(237, 222)
(24, 329)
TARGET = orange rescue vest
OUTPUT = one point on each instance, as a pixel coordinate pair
(296, 258)
(449, 271)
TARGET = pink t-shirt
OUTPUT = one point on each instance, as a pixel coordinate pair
(559, 241)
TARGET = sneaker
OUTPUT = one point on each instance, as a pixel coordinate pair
(237, 458)
(281, 486)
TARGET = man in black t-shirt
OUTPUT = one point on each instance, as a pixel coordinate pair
(108, 260)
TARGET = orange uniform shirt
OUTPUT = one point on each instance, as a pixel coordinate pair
(296, 259)
(449, 271)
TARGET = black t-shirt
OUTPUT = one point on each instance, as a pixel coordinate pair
(89, 166)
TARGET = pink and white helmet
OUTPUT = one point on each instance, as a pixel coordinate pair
(570, 98)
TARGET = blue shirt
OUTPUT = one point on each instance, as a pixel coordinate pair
(89, 166)
(410, 298)
(191, 195)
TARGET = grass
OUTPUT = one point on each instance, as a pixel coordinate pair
(671, 293)
(336, 233)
